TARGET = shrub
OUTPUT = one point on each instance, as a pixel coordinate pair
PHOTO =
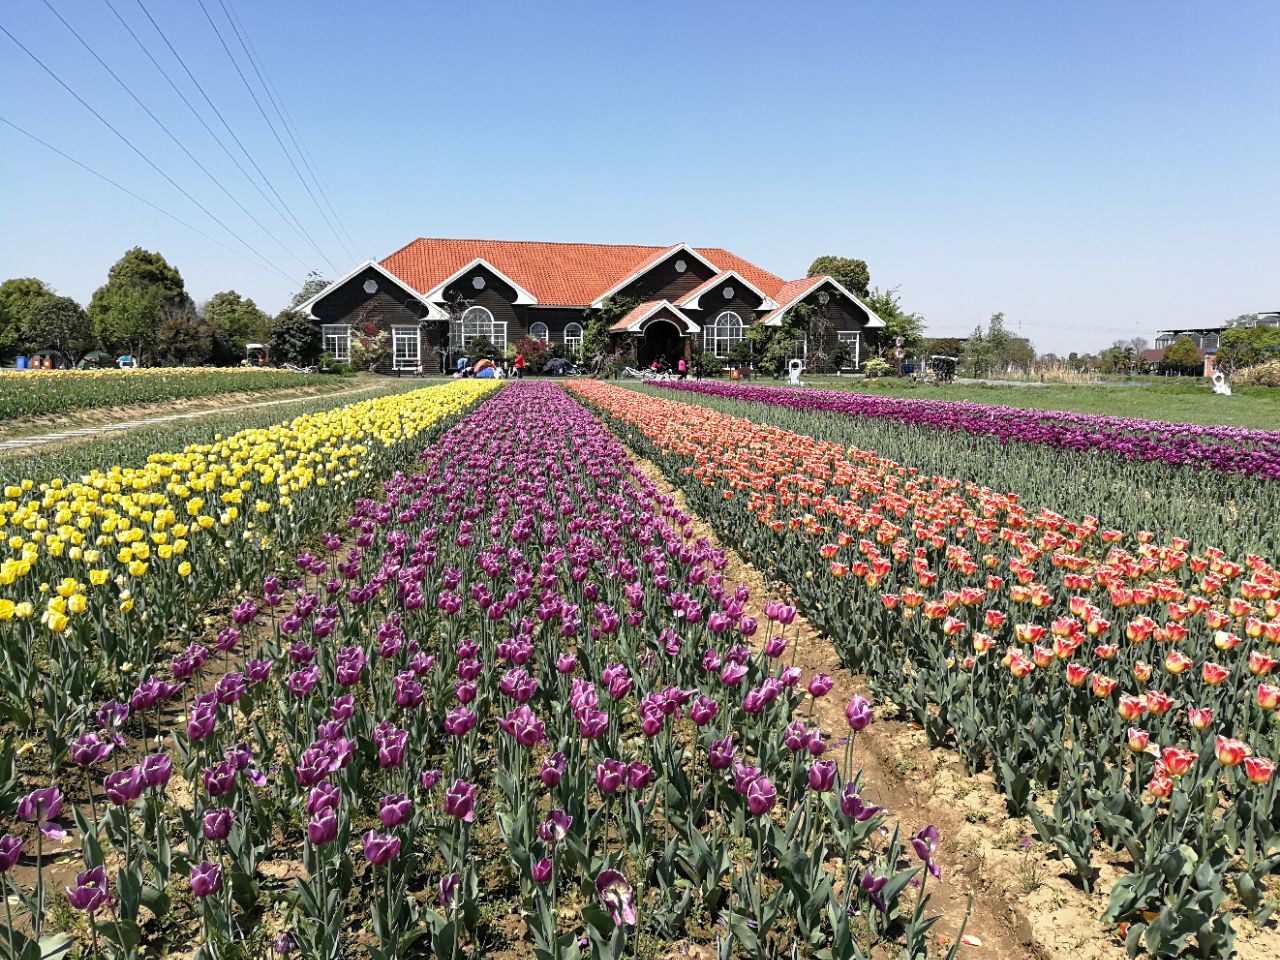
(878, 367)
(1261, 375)
(536, 353)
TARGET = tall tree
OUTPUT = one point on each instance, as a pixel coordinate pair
(898, 322)
(1183, 354)
(234, 321)
(315, 282)
(850, 273)
(294, 338)
(183, 337)
(1243, 346)
(61, 324)
(127, 310)
(17, 297)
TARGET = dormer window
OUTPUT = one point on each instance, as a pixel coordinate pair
(728, 293)
(681, 266)
(477, 282)
(371, 286)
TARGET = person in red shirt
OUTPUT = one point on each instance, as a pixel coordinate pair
(519, 366)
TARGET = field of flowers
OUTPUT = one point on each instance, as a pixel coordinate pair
(33, 393)
(95, 573)
(1221, 449)
(515, 679)
(1116, 682)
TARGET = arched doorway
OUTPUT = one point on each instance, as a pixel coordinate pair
(662, 338)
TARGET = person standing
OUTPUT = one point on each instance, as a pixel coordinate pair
(681, 368)
(519, 366)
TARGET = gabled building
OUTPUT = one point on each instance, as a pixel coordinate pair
(435, 296)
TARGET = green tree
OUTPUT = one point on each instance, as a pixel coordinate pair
(127, 310)
(596, 322)
(1243, 346)
(1183, 354)
(978, 353)
(61, 324)
(17, 297)
(850, 273)
(183, 337)
(294, 338)
(887, 305)
(234, 321)
(315, 282)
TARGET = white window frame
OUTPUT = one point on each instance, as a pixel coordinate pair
(540, 331)
(406, 334)
(854, 337)
(572, 340)
(336, 341)
(723, 334)
(482, 324)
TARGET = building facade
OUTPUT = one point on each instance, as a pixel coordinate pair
(434, 297)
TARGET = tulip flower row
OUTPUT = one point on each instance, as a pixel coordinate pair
(98, 570)
(1222, 449)
(35, 393)
(1116, 686)
(518, 678)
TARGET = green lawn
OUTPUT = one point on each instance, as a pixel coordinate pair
(1254, 407)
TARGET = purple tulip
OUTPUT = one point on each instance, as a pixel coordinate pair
(822, 776)
(925, 844)
(429, 779)
(448, 895)
(395, 810)
(542, 870)
(553, 768)
(460, 801)
(220, 780)
(380, 848)
(323, 826)
(217, 824)
(761, 796)
(10, 852)
(743, 777)
(639, 776)
(618, 897)
(703, 710)
(284, 944)
(872, 886)
(123, 786)
(202, 722)
(858, 713)
(555, 827)
(206, 879)
(720, 756)
(90, 749)
(820, 685)
(156, 769)
(92, 891)
(853, 807)
(566, 663)
(610, 775)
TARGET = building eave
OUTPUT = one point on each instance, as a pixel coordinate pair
(523, 296)
(648, 265)
(433, 311)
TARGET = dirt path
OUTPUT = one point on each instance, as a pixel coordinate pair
(108, 420)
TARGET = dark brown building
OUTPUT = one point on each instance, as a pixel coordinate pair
(434, 297)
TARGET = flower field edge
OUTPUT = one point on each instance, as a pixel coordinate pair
(914, 578)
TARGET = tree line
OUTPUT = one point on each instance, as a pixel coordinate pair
(143, 310)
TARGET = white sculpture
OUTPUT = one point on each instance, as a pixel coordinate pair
(1220, 385)
(793, 372)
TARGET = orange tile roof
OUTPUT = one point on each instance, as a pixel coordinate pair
(639, 310)
(558, 274)
(791, 291)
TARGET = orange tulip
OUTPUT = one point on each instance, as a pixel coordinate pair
(828, 550)
(1020, 666)
(839, 569)
(1199, 717)
(951, 626)
(1138, 739)
(1102, 685)
(1230, 753)
(1259, 770)
(1041, 656)
(1130, 707)
(993, 619)
(1077, 674)
(1158, 702)
(1225, 641)
(1177, 760)
(1106, 651)
(1214, 674)
(1161, 785)
(1142, 671)
(1176, 662)
(1268, 696)
(890, 600)
(983, 643)
(1260, 663)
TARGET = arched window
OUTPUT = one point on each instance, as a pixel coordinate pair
(723, 334)
(573, 338)
(478, 322)
(539, 332)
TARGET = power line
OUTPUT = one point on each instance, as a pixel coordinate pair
(196, 113)
(141, 199)
(294, 222)
(170, 134)
(291, 127)
(146, 159)
(235, 28)
(258, 103)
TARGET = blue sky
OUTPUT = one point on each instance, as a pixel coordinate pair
(1095, 170)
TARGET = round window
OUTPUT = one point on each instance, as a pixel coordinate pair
(681, 266)
(824, 297)
(478, 283)
(728, 293)
(371, 286)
